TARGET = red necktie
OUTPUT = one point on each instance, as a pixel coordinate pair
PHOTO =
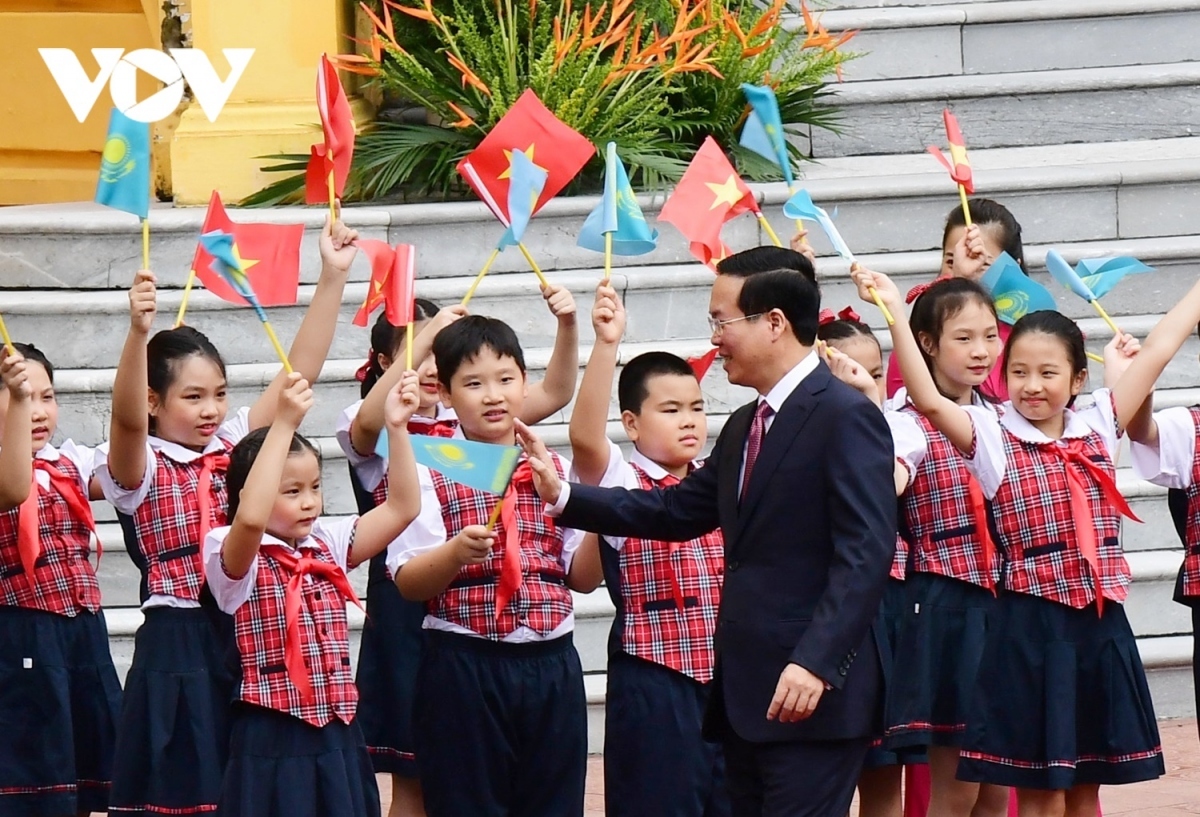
(442, 428)
(217, 460)
(29, 540)
(510, 567)
(299, 567)
(758, 430)
(986, 546)
(1085, 526)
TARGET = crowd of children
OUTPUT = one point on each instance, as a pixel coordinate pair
(1013, 663)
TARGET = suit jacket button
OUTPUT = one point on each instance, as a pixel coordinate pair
(842, 671)
(731, 566)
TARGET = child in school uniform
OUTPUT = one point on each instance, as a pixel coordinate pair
(499, 708)
(59, 692)
(1049, 715)
(995, 226)
(391, 640)
(165, 473)
(661, 660)
(280, 570)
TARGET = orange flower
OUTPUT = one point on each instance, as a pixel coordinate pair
(355, 64)
(468, 76)
(464, 120)
(420, 13)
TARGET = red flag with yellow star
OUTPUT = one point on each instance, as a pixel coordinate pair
(393, 274)
(270, 255)
(531, 128)
(709, 194)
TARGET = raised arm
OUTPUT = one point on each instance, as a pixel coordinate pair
(589, 419)
(16, 453)
(311, 346)
(257, 498)
(1136, 384)
(130, 424)
(385, 522)
(946, 415)
(364, 431)
(557, 389)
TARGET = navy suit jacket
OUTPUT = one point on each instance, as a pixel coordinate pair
(807, 556)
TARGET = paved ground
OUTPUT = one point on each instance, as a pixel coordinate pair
(1175, 795)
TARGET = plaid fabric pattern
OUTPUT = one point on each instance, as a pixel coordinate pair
(168, 525)
(1191, 560)
(64, 581)
(938, 514)
(654, 628)
(543, 600)
(1036, 528)
(899, 560)
(260, 627)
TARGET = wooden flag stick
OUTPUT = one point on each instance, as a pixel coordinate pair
(1100, 310)
(533, 264)
(187, 292)
(8, 344)
(962, 195)
(145, 243)
(478, 278)
(283, 358)
(607, 256)
(408, 344)
(766, 225)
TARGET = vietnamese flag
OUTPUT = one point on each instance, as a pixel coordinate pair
(958, 165)
(393, 274)
(709, 194)
(700, 365)
(270, 255)
(531, 128)
(337, 123)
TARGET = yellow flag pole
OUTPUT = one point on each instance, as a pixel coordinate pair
(799, 221)
(962, 195)
(187, 292)
(607, 256)
(332, 190)
(766, 225)
(1100, 310)
(12, 350)
(1095, 357)
(478, 278)
(533, 264)
(491, 523)
(408, 344)
(145, 243)
(283, 358)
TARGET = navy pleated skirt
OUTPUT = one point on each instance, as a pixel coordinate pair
(173, 738)
(59, 703)
(387, 673)
(281, 766)
(892, 609)
(939, 642)
(1061, 699)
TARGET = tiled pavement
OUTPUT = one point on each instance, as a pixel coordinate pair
(1175, 795)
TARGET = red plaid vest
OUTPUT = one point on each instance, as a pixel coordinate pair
(543, 600)
(260, 628)
(1191, 559)
(168, 525)
(64, 580)
(899, 560)
(1036, 527)
(654, 627)
(940, 519)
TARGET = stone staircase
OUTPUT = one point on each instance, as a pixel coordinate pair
(1078, 116)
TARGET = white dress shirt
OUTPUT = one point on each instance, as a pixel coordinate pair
(1169, 464)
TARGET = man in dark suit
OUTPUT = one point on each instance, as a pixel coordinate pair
(801, 483)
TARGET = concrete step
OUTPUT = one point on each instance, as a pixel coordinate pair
(1047, 107)
(957, 38)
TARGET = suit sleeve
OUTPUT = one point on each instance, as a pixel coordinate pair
(676, 514)
(862, 513)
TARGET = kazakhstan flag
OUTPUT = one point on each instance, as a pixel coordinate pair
(618, 213)
(125, 166)
(1015, 293)
(482, 466)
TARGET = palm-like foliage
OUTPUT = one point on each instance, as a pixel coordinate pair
(654, 76)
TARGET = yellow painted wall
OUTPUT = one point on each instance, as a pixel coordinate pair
(45, 154)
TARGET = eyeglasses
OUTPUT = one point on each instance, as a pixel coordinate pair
(716, 326)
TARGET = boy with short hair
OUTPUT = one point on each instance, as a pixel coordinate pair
(499, 709)
(667, 594)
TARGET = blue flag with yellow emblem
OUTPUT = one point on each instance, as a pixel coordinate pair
(1015, 293)
(125, 166)
(618, 213)
(482, 466)
(763, 132)
(1102, 274)
(227, 263)
(525, 185)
